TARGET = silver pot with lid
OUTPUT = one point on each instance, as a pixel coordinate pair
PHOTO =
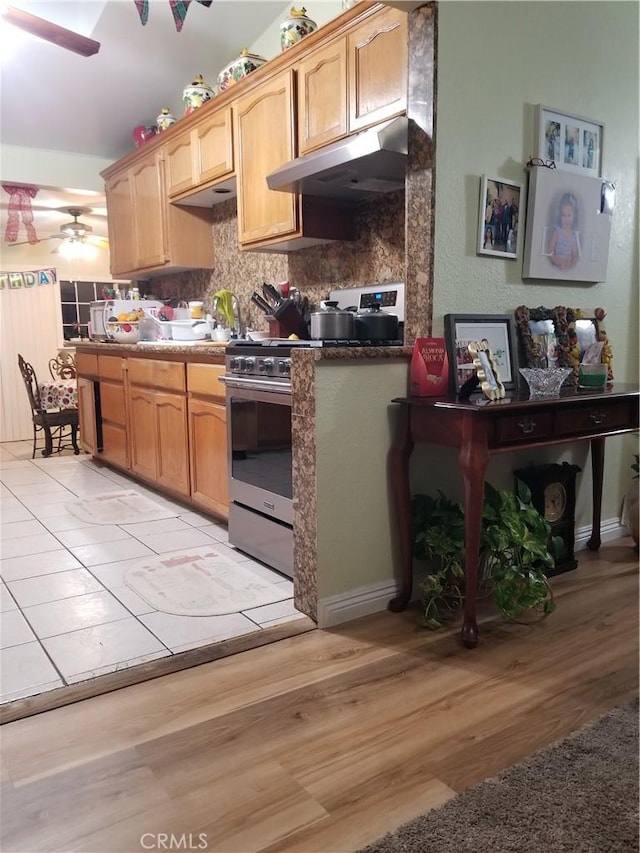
(332, 323)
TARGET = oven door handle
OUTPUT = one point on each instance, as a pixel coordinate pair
(256, 385)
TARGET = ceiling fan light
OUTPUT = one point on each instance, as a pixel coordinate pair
(77, 248)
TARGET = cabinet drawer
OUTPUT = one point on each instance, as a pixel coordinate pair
(523, 427)
(204, 380)
(110, 367)
(86, 364)
(112, 403)
(168, 375)
(596, 417)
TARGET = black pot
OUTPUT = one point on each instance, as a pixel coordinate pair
(376, 325)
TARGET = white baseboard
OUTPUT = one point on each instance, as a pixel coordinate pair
(374, 598)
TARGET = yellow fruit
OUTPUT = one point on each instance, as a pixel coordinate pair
(123, 317)
(294, 338)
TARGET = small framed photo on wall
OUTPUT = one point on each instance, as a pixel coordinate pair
(572, 143)
(498, 226)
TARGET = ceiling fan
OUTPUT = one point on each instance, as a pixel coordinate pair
(50, 32)
(74, 232)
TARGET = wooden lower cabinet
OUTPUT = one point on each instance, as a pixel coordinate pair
(173, 453)
(208, 455)
(114, 422)
(143, 438)
(87, 415)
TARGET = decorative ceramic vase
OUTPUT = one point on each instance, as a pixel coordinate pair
(239, 68)
(195, 94)
(165, 119)
(295, 27)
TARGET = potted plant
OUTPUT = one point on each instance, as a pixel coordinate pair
(514, 554)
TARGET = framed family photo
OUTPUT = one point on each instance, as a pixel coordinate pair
(498, 226)
(497, 331)
(573, 143)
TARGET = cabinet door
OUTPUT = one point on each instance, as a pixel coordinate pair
(179, 164)
(87, 415)
(114, 420)
(147, 183)
(121, 225)
(322, 96)
(264, 131)
(208, 455)
(173, 454)
(142, 432)
(377, 57)
(213, 147)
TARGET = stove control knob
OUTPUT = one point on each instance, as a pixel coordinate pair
(265, 365)
(249, 364)
(284, 367)
(236, 363)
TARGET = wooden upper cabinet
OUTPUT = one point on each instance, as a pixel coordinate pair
(377, 68)
(322, 96)
(212, 143)
(122, 244)
(201, 155)
(149, 209)
(179, 164)
(264, 132)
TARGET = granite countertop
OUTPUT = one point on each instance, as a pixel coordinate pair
(351, 353)
(213, 348)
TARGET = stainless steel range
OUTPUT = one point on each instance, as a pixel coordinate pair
(258, 382)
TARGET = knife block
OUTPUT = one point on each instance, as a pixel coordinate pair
(275, 329)
(291, 319)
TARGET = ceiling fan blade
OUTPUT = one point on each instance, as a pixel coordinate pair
(27, 243)
(51, 32)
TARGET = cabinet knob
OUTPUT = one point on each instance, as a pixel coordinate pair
(597, 418)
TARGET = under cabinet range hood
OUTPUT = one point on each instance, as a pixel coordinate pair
(357, 167)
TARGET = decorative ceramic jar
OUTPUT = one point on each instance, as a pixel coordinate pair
(195, 94)
(295, 27)
(165, 119)
(239, 68)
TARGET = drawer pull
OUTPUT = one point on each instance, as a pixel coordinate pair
(527, 426)
(597, 418)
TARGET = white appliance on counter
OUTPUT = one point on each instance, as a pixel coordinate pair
(101, 311)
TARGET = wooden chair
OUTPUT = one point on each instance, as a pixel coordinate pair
(53, 424)
(63, 366)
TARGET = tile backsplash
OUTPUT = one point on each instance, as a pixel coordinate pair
(376, 255)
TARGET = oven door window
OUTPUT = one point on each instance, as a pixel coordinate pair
(260, 435)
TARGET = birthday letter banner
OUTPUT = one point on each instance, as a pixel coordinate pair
(33, 278)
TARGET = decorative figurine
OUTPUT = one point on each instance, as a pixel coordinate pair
(295, 27)
(165, 119)
(239, 68)
(142, 134)
(195, 94)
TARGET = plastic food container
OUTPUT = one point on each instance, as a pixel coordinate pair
(189, 330)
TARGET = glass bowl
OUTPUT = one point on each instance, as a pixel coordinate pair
(545, 381)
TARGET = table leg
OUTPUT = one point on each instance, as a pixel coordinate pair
(399, 456)
(597, 472)
(474, 458)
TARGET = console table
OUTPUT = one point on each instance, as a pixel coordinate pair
(479, 427)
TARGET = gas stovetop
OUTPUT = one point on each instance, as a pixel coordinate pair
(287, 344)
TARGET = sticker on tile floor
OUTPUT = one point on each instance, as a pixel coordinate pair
(200, 582)
(119, 508)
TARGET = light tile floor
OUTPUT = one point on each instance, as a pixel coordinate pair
(66, 614)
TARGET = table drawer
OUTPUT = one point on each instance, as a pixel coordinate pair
(204, 380)
(524, 427)
(595, 417)
(86, 364)
(110, 367)
(168, 375)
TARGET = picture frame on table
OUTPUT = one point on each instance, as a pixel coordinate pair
(498, 330)
(501, 205)
(573, 143)
(486, 370)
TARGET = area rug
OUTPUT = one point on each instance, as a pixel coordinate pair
(119, 508)
(579, 795)
(200, 583)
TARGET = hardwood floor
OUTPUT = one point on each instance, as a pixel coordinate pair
(324, 741)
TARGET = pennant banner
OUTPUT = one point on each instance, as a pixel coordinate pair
(33, 278)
